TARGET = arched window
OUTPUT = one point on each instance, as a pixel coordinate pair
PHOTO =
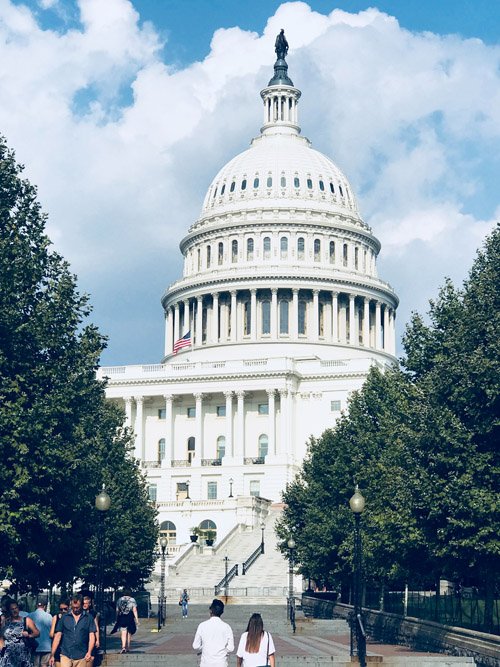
(221, 446)
(332, 252)
(302, 322)
(191, 446)
(161, 449)
(283, 182)
(317, 250)
(332, 189)
(208, 530)
(321, 318)
(233, 185)
(263, 445)
(209, 255)
(246, 318)
(168, 530)
(244, 184)
(223, 189)
(220, 253)
(234, 251)
(296, 182)
(215, 192)
(341, 191)
(256, 182)
(266, 317)
(309, 184)
(284, 247)
(267, 247)
(198, 254)
(269, 181)
(356, 258)
(249, 250)
(284, 317)
(344, 254)
(321, 186)
(300, 247)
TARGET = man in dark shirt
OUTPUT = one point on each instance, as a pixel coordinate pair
(76, 631)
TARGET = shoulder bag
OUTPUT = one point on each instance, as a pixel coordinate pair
(267, 652)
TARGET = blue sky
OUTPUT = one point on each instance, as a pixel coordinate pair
(124, 111)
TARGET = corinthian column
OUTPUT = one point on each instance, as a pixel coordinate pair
(199, 431)
(229, 422)
(239, 445)
(253, 314)
(215, 318)
(272, 421)
(274, 313)
(139, 428)
(233, 315)
(169, 435)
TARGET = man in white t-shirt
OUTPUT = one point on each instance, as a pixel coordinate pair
(214, 638)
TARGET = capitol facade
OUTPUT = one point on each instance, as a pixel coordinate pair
(281, 314)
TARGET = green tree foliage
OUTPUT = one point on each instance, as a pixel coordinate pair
(59, 439)
(422, 444)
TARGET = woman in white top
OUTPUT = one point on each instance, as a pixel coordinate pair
(256, 647)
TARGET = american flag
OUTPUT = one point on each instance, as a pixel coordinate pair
(185, 341)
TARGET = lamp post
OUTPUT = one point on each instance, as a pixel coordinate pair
(187, 490)
(231, 480)
(161, 599)
(102, 505)
(262, 528)
(291, 599)
(226, 584)
(358, 636)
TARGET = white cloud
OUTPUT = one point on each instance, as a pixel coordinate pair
(123, 145)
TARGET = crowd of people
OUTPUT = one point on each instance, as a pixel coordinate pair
(70, 638)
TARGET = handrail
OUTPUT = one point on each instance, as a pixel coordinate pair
(253, 557)
(233, 572)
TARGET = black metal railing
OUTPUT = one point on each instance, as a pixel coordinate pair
(224, 582)
(253, 557)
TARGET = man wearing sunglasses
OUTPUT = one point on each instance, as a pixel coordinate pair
(75, 633)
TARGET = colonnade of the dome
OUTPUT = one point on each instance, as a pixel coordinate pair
(281, 314)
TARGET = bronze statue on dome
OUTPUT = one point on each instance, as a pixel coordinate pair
(281, 45)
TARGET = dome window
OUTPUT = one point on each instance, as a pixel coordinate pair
(321, 186)
(246, 318)
(340, 190)
(256, 182)
(317, 250)
(244, 184)
(209, 255)
(332, 252)
(269, 181)
(233, 185)
(344, 254)
(234, 251)
(266, 317)
(283, 310)
(300, 247)
(296, 182)
(284, 247)
(332, 189)
(249, 250)
(302, 318)
(220, 253)
(223, 189)
(356, 258)
(267, 247)
(215, 193)
(283, 182)
(309, 184)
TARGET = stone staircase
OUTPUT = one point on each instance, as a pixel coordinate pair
(265, 581)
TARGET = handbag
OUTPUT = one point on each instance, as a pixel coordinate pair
(180, 603)
(267, 652)
(30, 642)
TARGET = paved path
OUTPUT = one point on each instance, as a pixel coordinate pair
(314, 638)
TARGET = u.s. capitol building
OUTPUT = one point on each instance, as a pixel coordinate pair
(281, 314)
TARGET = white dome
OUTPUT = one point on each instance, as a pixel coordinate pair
(279, 169)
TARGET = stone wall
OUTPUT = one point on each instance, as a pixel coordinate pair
(413, 632)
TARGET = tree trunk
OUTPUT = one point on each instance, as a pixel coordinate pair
(489, 591)
(382, 597)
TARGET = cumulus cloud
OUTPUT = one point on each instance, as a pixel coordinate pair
(123, 145)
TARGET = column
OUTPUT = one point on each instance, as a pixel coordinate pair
(139, 428)
(315, 317)
(128, 411)
(223, 321)
(281, 448)
(199, 321)
(295, 315)
(176, 322)
(253, 314)
(352, 321)
(200, 454)
(343, 323)
(229, 423)
(215, 318)
(274, 313)
(169, 334)
(186, 325)
(393, 331)
(378, 326)
(233, 315)
(366, 322)
(272, 421)
(169, 435)
(239, 445)
(335, 317)
(387, 335)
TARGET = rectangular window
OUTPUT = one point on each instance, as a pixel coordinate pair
(335, 406)
(255, 488)
(191, 412)
(263, 408)
(212, 490)
(221, 411)
(266, 317)
(152, 492)
(182, 489)
(162, 413)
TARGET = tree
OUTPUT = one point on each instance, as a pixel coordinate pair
(56, 430)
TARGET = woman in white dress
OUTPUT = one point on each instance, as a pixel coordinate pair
(256, 647)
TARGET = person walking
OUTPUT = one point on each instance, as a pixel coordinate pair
(88, 608)
(214, 638)
(127, 619)
(256, 647)
(75, 632)
(183, 601)
(43, 621)
(63, 609)
(16, 629)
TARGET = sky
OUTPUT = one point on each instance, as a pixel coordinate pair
(123, 111)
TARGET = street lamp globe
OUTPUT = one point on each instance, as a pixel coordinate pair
(291, 543)
(102, 500)
(163, 543)
(357, 501)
